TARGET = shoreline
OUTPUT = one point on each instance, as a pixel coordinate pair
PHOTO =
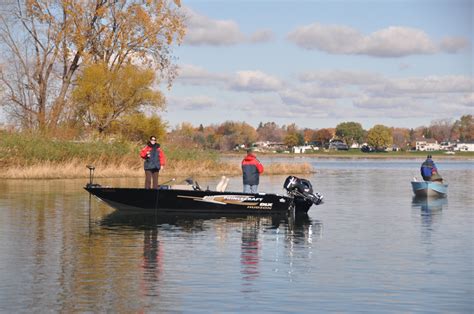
(464, 156)
(76, 169)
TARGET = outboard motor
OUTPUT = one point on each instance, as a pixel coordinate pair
(301, 188)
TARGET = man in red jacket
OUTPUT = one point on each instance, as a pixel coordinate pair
(154, 161)
(251, 170)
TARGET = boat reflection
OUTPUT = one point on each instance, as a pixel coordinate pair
(431, 209)
(429, 205)
(297, 229)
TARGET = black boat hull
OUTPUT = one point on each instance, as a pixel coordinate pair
(196, 201)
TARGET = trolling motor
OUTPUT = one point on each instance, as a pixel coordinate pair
(91, 177)
(302, 188)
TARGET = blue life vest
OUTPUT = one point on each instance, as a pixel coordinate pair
(427, 168)
(426, 171)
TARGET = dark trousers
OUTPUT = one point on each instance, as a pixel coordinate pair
(149, 175)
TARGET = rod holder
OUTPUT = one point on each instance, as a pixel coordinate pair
(91, 174)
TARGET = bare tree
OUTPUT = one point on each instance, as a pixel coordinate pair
(441, 129)
(45, 42)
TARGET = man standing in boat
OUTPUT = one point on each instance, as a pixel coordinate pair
(428, 170)
(251, 170)
(154, 161)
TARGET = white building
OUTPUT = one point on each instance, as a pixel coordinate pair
(303, 149)
(464, 147)
(427, 145)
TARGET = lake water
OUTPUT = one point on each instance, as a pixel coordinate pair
(370, 247)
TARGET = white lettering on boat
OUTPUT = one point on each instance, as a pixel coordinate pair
(239, 198)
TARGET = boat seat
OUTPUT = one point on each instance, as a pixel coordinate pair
(222, 185)
(182, 187)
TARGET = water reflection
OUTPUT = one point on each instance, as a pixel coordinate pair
(152, 263)
(297, 231)
(249, 247)
(429, 205)
(430, 212)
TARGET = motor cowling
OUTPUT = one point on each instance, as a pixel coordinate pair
(302, 188)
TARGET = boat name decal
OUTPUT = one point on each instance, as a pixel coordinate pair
(245, 200)
(240, 198)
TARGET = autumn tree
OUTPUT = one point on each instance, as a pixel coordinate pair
(350, 132)
(235, 133)
(139, 127)
(465, 128)
(401, 137)
(308, 135)
(294, 136)
(45, 42)
(323, 136)
(441, 129)
(270, 131)
(380, 137)
(103, 95)
(291, 139)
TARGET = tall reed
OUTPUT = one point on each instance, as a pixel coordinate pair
(24, 155)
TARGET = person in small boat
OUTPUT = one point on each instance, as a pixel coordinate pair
(429, 171)
(251, 170)
(154, 161)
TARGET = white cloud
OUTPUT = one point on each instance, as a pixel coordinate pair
(341, 77)
(264, 35)
(255, 81)
(394, 41)
(195, 75)
(334, 94)
(201, 30)
(424, 85)
(467, 100)
(194, 103)
(331, 38)
(454, 44)
(397, 41)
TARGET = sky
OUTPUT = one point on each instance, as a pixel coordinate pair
(315, 63)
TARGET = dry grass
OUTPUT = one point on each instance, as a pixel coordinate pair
(127, 168)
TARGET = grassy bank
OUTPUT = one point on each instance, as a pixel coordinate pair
(29, 156)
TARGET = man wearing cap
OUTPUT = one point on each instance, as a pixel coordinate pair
(251, 170)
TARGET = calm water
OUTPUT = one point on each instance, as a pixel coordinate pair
(369, 248)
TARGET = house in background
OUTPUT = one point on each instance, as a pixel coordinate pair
(464, 147)
(304, 148)
(427, 145)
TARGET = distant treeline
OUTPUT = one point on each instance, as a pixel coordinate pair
(230, 134)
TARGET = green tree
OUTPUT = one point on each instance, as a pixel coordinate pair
(350, 132)
(104, 96)
(380, 137)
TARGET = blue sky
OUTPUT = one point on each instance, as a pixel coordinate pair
(318, 63)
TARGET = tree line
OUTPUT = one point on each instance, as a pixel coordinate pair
(231, 134)
(93, 67)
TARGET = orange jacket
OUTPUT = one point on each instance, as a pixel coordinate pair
(153, 156)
